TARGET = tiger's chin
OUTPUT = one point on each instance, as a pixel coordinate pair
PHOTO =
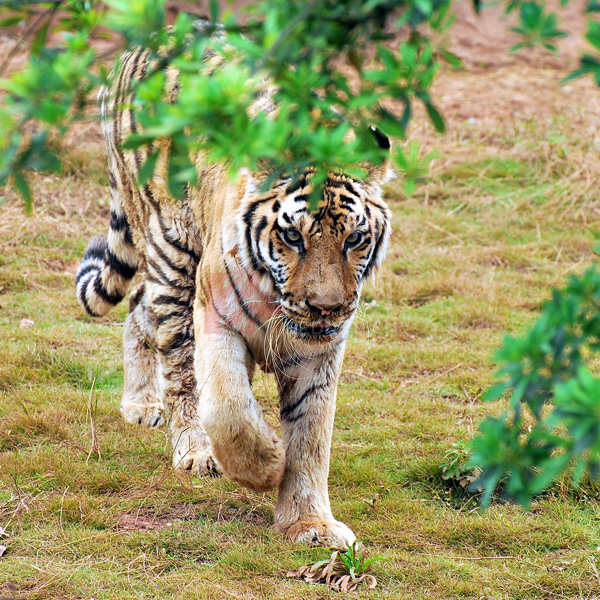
(316, 333)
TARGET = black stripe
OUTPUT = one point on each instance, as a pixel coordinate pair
(342, 183)
(257, 233)
(84, 301)
(346, 201)
(156, 280)
(163, 279)
(164, 299)
(286, 411)
(81, 273)
(239, 297)
(248, 216)
(272, 251)
(179, 339)
(174, 242)
(118, 222)
(104, 294)
(379, 237)
(296, 184)
(150, 196)
(97, 252)
(160, 319)
(166, 259)
(118, 266)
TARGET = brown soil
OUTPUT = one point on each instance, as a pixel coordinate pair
(147, 520)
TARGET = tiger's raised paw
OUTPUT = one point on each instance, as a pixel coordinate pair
(333, 535)
(192, 453)
(151, 415)
(201, 464)
(257, 464)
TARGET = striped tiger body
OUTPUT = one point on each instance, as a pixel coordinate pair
(233, 277)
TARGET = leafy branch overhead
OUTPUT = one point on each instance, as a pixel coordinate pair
(334, 69)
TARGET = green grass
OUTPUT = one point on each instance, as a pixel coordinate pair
(474, 254)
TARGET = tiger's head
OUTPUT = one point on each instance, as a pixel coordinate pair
(315, 262)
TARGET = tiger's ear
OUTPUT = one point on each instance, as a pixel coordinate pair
(383, 172)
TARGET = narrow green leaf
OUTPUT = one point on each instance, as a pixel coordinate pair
(10, 21)
(147, 169)
(436, 117)
(39, 41)
(24, 191)
(214, 10)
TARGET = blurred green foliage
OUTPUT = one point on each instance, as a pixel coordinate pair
(335, 67)
(553, 422)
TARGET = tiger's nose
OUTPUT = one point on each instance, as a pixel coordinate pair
(324, 307)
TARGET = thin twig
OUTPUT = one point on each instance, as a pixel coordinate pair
(48, 13)
(444, 373)
(94, 447)
(358, 374)
(62, 501)
(523, 560)
(446, 232)
(220, 587)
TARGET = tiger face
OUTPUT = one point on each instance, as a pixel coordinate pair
(316, 262)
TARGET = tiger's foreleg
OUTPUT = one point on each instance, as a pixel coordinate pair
(247, 449)
(308, 394)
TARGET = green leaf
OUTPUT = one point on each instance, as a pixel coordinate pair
(436, 117)
(451, 58)
(214, 10)
(39, 41)
(11, 21)
(147, 169)
(24, 191)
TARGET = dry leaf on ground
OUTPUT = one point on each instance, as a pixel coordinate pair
(333, 573)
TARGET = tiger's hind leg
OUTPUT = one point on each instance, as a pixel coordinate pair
(142, 394)
(170, 288)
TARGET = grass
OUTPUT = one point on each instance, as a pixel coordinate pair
(509, 212)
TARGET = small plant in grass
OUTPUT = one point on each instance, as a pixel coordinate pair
(343, 571)
(457, 465)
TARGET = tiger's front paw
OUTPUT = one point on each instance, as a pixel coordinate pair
(147, 414)
(329, 534)
(257, 463)
(192, 452)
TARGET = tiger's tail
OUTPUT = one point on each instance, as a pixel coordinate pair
(110, 261)
(107, 267)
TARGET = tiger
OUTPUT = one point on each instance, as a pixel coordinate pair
(232, 277)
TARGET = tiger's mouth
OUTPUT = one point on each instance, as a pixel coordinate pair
(322, 330)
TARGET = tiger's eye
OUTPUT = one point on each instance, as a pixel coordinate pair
(292, 236)
(354, 239)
